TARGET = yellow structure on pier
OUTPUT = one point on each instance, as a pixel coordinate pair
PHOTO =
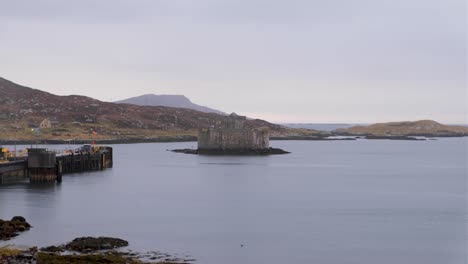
(4, 154)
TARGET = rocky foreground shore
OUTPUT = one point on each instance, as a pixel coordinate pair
(80, 250)
(86, 250)
(11, 255)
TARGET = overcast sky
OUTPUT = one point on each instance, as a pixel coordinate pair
(352, 61)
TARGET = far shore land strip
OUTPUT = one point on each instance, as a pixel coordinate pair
(31, 116)
(417, 130)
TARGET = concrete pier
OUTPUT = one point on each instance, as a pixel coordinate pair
(13, 171)
(43, 166)
(88, 161)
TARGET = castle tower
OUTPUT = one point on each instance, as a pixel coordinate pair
(231, 134)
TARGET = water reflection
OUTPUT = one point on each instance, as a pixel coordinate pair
(327, 202)
(28, 195)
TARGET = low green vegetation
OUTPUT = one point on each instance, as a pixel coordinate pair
(8, 252)
(113, 257)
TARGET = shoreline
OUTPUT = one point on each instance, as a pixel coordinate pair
(80, 250)
(194, 139)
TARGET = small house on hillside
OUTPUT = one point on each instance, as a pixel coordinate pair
(45, 123)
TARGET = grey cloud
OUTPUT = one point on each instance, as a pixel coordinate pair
(302, 53)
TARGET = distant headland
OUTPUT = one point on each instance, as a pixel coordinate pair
(422, 128)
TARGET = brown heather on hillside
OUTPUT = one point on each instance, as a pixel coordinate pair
(74, 117)
(416, 128)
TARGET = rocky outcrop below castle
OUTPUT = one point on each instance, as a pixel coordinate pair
(393, 130)
(233, 152)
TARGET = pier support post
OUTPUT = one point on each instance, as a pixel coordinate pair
(42, 166)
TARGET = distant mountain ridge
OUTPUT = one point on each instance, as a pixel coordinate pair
(178, 101)
(79, 117)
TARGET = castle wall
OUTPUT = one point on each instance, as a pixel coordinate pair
(233, 139)
(231, 134)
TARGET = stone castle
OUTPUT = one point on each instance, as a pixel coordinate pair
(231, 134)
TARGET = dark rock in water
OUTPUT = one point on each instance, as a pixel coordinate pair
(186, 151)
(19, 219)
(10, 229)
(89, 244)
(233, 152)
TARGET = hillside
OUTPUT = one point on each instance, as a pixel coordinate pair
(75, 117)
(178, 101)
(416, 128)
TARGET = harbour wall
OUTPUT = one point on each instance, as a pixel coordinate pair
(41, 166)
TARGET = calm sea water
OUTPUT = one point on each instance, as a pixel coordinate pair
(365, 201)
